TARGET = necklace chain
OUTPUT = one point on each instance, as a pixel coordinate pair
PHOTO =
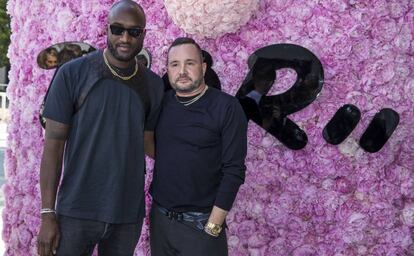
(125, 78)
(189, 102)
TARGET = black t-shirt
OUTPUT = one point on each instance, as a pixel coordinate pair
(104, 164)
(200, 152)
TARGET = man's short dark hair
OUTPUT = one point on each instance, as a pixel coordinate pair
(187, 40)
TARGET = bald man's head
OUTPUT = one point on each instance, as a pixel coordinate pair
(126, 30)
(128, 6)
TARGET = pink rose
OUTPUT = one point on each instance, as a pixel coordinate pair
(404, 38)
(407, 215)
(382, 215)
(380, 249)
(352, 235)
(233, 241)
(385, 29)
(318, 209)
(398, 203)
(398, 8)
(296, 224)
(286, 201)
(305, 250)
(24, 236)
(319, 26)
(341, 47)
(396, 251)
(246, 229)
(358, 220)
(407, 186)
(203, 18)
(275, 215)
(304, 210)
(379, 7)
(260, 239)
(380, 71)
(278, 246)
(348, 251)
(295, 239)
(303, 13)
(278, 5)
(344, 185)
(285, 79)
(398, 236)
(256, 251)
(410, 250)
(328, 184)
(267, 141)
(334, 6)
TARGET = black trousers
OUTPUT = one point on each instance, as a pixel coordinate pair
(170, 237)
(78, 237)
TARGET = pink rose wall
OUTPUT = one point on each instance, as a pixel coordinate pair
(322, 200)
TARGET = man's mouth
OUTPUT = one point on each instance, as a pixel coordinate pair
(183, 80)
(124, 48)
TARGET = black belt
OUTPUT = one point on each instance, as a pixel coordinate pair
(196, 217)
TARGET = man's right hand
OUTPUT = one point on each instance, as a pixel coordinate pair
(50, 171)
(48, 239)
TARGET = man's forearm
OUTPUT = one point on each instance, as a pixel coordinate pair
(50, 171)
(217, 216)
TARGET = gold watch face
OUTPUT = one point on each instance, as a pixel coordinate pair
(214, 228)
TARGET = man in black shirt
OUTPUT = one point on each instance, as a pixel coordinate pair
(199, 160)
(101, 197)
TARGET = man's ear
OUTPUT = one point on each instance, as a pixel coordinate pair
(204, 65)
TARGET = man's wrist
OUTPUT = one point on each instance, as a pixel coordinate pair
(48, 217)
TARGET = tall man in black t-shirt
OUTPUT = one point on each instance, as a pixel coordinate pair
(101, 196)
(199, 160)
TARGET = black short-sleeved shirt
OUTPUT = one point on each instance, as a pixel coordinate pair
(104, 164)
(200, 152)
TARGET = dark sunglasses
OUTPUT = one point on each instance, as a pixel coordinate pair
(134, 32)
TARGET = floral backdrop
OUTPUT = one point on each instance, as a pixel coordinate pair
(321, 200)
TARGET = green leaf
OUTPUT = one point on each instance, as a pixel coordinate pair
(4, 34)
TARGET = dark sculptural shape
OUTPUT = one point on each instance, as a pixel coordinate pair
(342, 124)
(271, 111)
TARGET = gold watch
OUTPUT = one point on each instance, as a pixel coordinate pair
(212, 229)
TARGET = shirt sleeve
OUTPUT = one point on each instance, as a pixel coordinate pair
(156, 104)
(59, 105)
(234, 149)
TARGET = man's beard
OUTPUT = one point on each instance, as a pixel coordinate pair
(190, 88)
(115, 54)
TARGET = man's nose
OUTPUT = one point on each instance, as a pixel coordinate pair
(183, 70)
(125, 37)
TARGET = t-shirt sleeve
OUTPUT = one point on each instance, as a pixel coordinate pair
(234, 149)
(157, 94)
(59, 102)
